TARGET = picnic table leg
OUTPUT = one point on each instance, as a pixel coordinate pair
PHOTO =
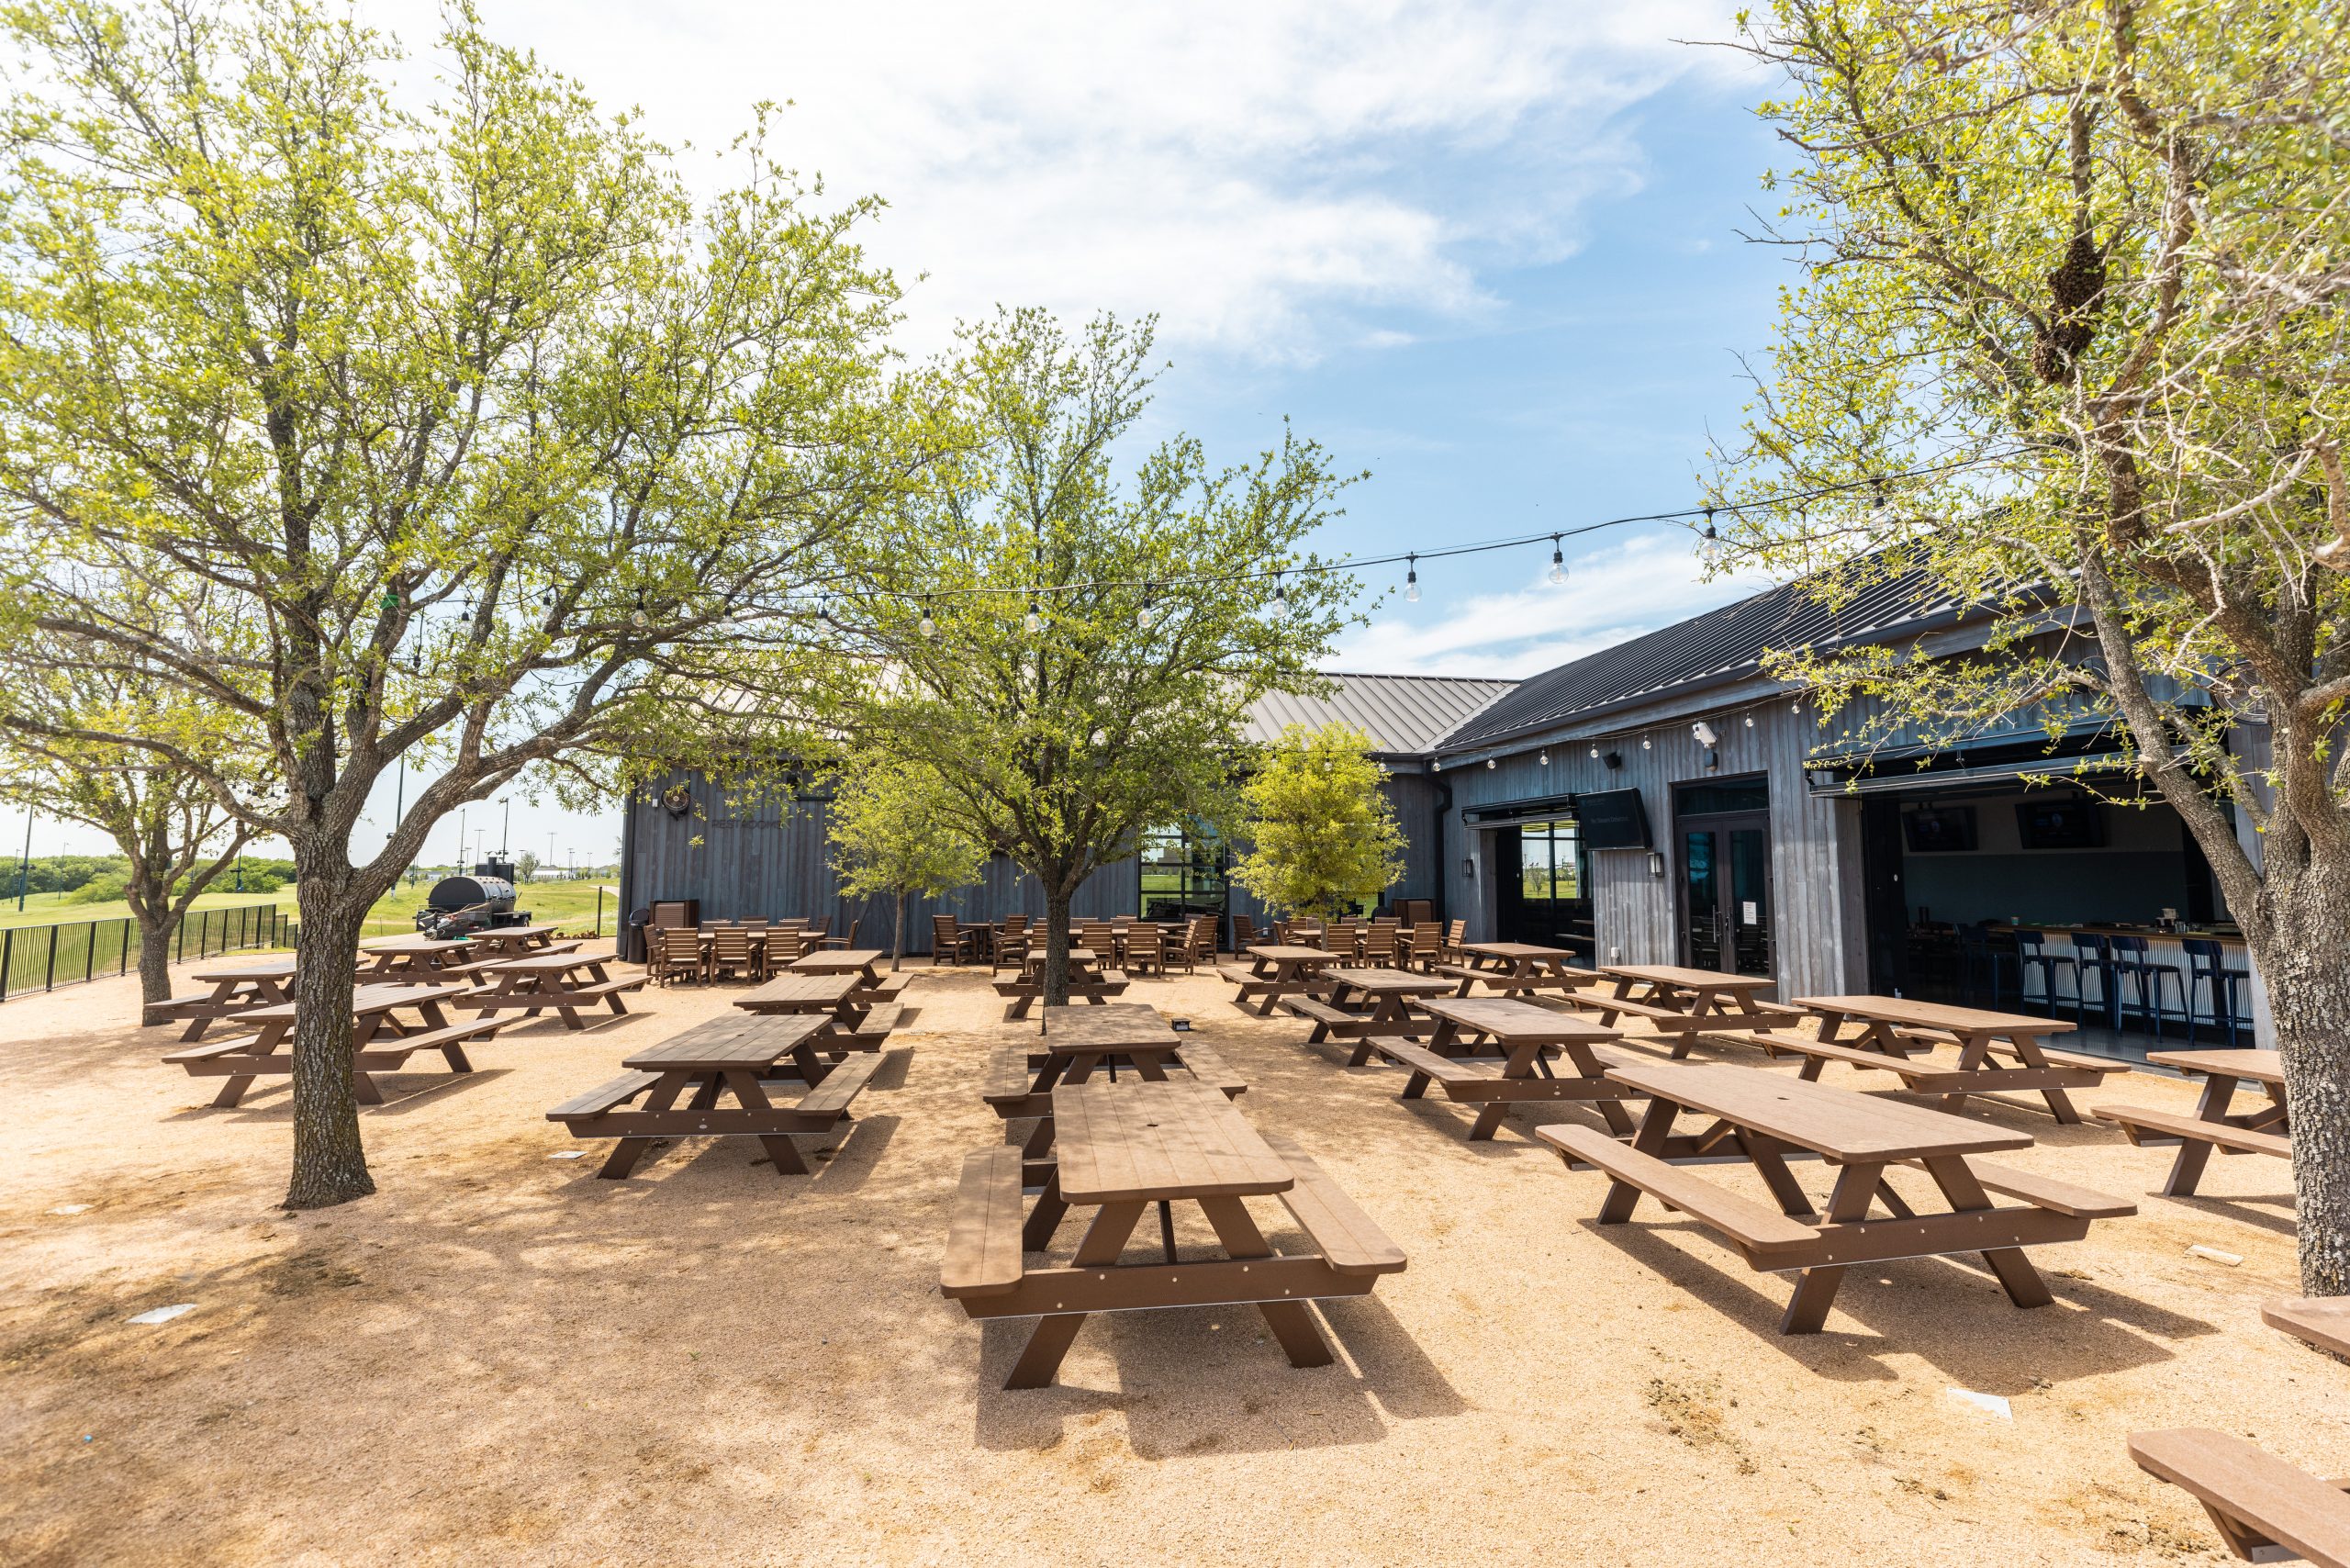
(2186, 1168)
(2017, 1276)
(1816, 1288)
(1291, 1322)
(629, 1150)
(1105, 1239)
(1046, 1217)
(1656, 1129)
(1771, 1165)
(231, 1090)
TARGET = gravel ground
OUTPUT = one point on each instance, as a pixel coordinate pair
(500, 1358)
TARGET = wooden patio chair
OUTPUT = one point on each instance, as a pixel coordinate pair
(1379, 947)
(1244, 933)
(848, 941)
(1103, 937)
(1455, 934)
(1426, 948)
(1009, 948)
(1203, 940)
(1146, 950)
(731, 953)
(680, 954)
(950, 942)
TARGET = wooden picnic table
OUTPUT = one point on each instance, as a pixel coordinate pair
(1086, 979)
(238, 986)
(542, 981)
(1123, 1147)
(2265, 1509)
(380, 1043)
(736, 1055)
(2216, 1124)
(514, 939)
(1515, 968)
(2322, 1321)
(794, 993)
(1276, 970)
(1526, 1036)
(1361, 1006)
(1763, 1115)
(1893, 1028)
(1074, 1043)
(865, 962)
(1708, 994)
(419, 957)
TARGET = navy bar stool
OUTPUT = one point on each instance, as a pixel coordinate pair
(1977, 956)
(2092, 955)
(2207, 961)
(2143, 975)
(2031, 952)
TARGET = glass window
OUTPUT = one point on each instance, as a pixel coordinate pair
(1550, 861)
(1729, 795)
(1183, 873)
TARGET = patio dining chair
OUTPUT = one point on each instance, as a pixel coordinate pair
(1146, 950)
(950, 942)
(680, 952)
(731, 953)
(1379, 947)
(1426, 948)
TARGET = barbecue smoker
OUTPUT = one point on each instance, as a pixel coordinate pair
(458, 906)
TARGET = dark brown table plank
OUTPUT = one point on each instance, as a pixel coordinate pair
(1146, 1142)
(1838, 1123)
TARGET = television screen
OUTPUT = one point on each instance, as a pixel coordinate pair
(1939, 828)
(1613, 819)
(2060, 825)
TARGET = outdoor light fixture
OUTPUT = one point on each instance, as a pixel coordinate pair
(1656, 864)
(1704, 733)
(1647, 744)
(1595, 753)
(639, 618)
(1281, 595)
(1148, 612)
(1412, 579)
(1614, 759)
(926, 626)
(1491, 765)
(1750, 721)
(1710, 524)
(1033, 620)
(1558, 562)
(1469, 867)
(1544, 759)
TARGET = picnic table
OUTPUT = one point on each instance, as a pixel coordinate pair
(238, 986)
(2266, 1510)
(2322, 1321)
(849, 1021)
(1893, 1027)
(2215, 1123)
(865, 963)
(1685, 1002)
(1526, 1036)
(419, 957)
(1276, 970)
(544, 981)
(1123, 1147)
(1075, 1043)
(1761, 1117)
(514, 939)
(1515, 968)
(1362, 1005)
(380, 1043)
(736, 1055)
(1086, 979)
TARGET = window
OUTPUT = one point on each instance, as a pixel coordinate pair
(1183, 873)
(1549, 862)
(1716, 799)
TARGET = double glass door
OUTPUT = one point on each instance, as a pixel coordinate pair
(1726, 892)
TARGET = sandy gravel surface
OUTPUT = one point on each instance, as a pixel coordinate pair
(499, 1358)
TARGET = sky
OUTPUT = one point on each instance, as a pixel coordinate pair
(1488, 253)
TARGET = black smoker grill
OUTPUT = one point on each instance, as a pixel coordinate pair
(458, 905)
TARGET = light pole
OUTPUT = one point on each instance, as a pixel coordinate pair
(25, 866)
(505, 837)
(459, 869)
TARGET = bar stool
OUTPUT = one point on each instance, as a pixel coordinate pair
(2143, 974)
(2092, 954)
(2031, 952)
(2207, 960)
(1976, 953)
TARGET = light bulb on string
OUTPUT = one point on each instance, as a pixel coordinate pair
(1034, 620)
(1544, 759)
(1710, 531)
(1149, 611)
(1281, 595)
(1411, 579)
(926, 626)
(1595, 753)
(1558, 562)
(637, 617)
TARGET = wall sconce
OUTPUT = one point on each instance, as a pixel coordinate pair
(1469, 867)
(1656, 863)
(1614, 759)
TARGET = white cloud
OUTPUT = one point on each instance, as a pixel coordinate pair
(1273, 178)
(1610, 594)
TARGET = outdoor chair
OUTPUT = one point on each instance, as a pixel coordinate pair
(1204, 935)
(1454, 936)
(848, 941)
(2144, 977)
(1979, 958)
(1102, 937)
(1379, 947)
(950, 942)
(2207, 963)
(1010, 948)
(2032, 953)
(1426, 948)
(1146, 950)
(731, 953)
(2093, 956)
(678, 952)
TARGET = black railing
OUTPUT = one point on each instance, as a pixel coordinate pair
(42, 958)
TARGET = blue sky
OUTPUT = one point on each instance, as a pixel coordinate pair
(1487, 252)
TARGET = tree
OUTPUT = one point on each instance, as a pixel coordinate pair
(175, 835)
(1321, 832)
(895, 830)
(526, 866)
(1074, 661)
(2088, 264)
(486, 436)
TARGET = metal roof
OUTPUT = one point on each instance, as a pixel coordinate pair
(1709, 649)
(1404, 715)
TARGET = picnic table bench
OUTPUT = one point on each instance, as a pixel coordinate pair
(1528, 1036)
(2322, 1321)
(541, 982)
(237, 986)
(1764, 1116)
(1126, 1145)
(379, 1042)
(2214, 1124)
(1086, 979)
(1022, 1075)
(2266, 1510)
(1515, 968)
(1275, 970)
(1893, 1028)
(1361, 1006)
(724, 1055)
(847, 1023)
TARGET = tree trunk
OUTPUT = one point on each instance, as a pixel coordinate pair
(155, 963)
(2305, 966)
(897, 939)
(330, 1160)
(1055, 945)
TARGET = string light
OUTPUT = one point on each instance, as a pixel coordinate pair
(1149, 611)
(1544, 759)
(1412, 579)
(926, 626)
(1558, 562)
(1281, 595)
(1034, 620)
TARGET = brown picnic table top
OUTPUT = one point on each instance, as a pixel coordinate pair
(1514, 951)
(514, 936)
(380, 1043)
(801, 994)
(1115, 1028)
(2265, 1509)
(2258, 1065)
(1762, 1115)
(1703, 989)
(1144, 1142)
(247, 969)
(1974, 1030)
(236, 986)
(1360, 1005)
(539, 982)
(2322, 1321)
(839, 962)
(1526, 1036)
(1289, 952)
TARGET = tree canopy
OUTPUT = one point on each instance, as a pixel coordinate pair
(1322, 835)
(895, 832)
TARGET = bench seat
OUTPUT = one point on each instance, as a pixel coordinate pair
(1451, 1072)
(1766, 1237)
(2138, 1122)
(984, 1252)
(2049, 1191)
(1611, 1007)
(831, 1098)
(215, 1049)
(607, 1096)
(2265, 1509)
(1348, 1239)
(872, 1031)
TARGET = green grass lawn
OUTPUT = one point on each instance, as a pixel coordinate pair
(571, 903)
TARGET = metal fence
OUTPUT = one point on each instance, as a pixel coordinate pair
(42, 958)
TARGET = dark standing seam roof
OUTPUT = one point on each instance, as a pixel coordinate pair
(1404, 715)
(1719, 645)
